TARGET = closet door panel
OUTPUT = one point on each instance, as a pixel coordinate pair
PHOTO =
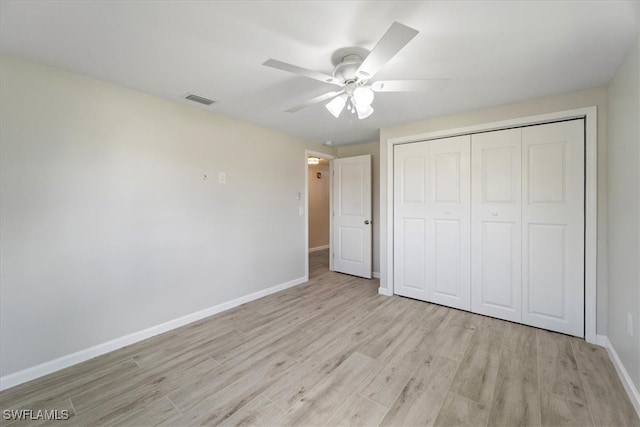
(448, 222)
(498, 290)
(410, 220)
(447, 240)
(496, 225)
(547, 257)
(553, 222)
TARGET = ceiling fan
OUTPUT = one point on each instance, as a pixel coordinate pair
(354, 73)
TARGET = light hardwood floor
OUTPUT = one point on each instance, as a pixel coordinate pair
(333, 352)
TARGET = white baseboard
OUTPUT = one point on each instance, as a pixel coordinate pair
(376, 274)
(385, 291)
(51, 366)
(631, 389)
(318, 248)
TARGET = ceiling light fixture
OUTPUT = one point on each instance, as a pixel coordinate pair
(336, 105)
(357, 99)
(313, 160)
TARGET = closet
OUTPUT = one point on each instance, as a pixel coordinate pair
(493, 223)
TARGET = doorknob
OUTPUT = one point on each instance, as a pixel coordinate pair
(366, 221)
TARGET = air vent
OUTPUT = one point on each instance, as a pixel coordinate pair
(199, 99)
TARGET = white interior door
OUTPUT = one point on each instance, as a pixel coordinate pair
(496, 225)
(553, 226)
(352, 220)
(432, 221)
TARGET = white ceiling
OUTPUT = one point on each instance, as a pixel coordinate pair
(493, 52)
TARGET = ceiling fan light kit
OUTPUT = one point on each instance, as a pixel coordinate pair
(337, 104)
(353, 73)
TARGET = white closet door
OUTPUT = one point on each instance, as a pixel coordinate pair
(449, 222)
(410, 220)
(553, 226)
(495, 224)
(432, 221)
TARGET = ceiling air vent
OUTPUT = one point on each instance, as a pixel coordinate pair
(199, 99)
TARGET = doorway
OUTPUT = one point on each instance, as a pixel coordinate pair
(318, 213)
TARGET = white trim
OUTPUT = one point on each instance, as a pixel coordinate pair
(376, 274)
(631, 389)
(385, 292)
(325, 156)
(51, 366)
(331, 172)
(318, 248)
(591, 195)
(591, 224)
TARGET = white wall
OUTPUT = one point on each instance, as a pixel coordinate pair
(372, 148)
(108, 226)
(624, 211)
(586, 98)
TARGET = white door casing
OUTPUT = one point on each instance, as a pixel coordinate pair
(352, 221)
(431, 216)
(496, 224)
(553, 226)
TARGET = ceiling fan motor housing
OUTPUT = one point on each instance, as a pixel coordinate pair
(346, 70)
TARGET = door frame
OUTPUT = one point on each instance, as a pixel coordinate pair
(329, 157)
(589, 114)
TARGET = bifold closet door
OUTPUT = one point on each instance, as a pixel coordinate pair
(553, 226)
(410, 220)
(432, 221)
(495, 224)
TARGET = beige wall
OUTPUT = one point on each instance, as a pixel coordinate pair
(319, 205)
(624, 211)
(372, 148)
(108, 225)
(586, 98)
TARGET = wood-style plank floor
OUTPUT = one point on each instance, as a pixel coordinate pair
(333, 352)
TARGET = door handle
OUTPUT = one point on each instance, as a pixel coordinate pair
(366, 221)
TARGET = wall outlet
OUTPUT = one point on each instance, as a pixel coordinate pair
(630, 324)
(222, 178)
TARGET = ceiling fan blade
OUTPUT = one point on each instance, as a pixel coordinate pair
(396, 37)
(326, 78)
(315, 100)
(407, 85)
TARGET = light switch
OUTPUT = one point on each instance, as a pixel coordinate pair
(300, 211)
(222, 178)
